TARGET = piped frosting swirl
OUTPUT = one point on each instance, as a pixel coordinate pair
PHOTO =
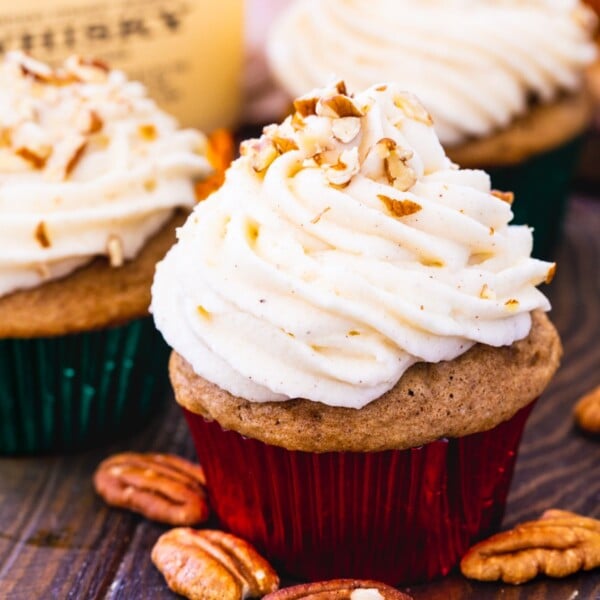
(89, 166)
(344, 247)
(475, 64)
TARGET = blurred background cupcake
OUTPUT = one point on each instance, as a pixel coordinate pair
(358, 341)
(91, 176)
(504, 81)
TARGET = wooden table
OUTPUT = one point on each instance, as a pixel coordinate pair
(58, 540)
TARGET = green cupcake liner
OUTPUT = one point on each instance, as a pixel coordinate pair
(541, 187)
(70, 392)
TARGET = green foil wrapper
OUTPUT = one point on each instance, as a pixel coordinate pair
(74, 391)
(541, 187)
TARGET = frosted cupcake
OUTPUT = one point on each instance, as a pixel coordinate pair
(504, 81)
(358, 341)
(92, 173)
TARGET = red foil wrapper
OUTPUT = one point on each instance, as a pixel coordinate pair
(399, 516)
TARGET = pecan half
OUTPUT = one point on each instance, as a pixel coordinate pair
(587, 411)
(209, 564)
(339, 589)
(346, 167)
(558, 544)
(161, 487)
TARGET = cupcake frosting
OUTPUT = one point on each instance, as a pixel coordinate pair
(344, 247)
(89, 166)
(475, 64)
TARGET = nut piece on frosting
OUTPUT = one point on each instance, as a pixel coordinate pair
(558, 544)
(327, 130)
(26, 136)
(89, 166)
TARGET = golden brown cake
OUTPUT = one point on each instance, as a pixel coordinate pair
(543, 128)
(431, 401)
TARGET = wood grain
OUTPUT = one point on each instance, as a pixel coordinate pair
(58, 540)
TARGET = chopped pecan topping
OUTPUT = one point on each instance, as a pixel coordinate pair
(400, 208)
(507, 197)
(90, 122)
(336, 106)
(114, 248)
(297, 122)
(340, 86)
(395, 163)
(551, 273)
(558, 544)
(162, 487)
(87, 70)
(212, 564)
(344, 169)
(148, 132)
(587, 411)
(339, 589)
(412, 108)
(284, 144)
(41, 235)
(75, 158)
(345, 129)
(44, 74)
(306, 106)
(37, 157)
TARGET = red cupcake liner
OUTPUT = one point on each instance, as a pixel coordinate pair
(398, 516)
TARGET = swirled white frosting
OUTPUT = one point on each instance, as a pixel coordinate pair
(89, 166)
(323, 269)
(475, 64)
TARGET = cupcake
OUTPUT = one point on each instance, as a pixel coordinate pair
(357, 341)
(503, 80)
(92, 175)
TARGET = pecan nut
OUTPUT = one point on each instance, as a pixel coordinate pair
(558, 544)
(339, 589)
(212, 565)
(587, 411)
(161, 487)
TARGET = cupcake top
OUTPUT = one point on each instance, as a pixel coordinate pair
(89, 166)
(475, 64)
(344, 247)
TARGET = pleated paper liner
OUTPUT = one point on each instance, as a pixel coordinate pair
(75, 391)
(541, 186)
(399, 516)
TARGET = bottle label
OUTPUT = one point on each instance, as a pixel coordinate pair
(188, 52)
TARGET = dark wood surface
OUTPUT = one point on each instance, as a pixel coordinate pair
(58, 540)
